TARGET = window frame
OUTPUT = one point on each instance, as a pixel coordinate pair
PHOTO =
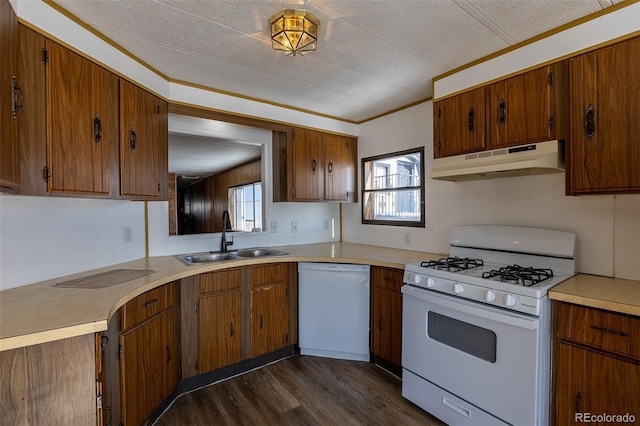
(232, 210)
(365, 192)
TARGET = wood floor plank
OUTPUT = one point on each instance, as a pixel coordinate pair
(301, 390)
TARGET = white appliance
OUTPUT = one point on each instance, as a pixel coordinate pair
(477, 325)
(531, 159)
(333, 306)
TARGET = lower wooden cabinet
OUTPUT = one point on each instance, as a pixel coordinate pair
(269, 320)
(596, 368)
(386, 314)
(219, 330)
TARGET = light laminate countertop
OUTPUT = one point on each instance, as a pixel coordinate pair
(612, 294)
(39, 313)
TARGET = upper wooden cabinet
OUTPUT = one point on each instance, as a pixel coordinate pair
(314, 166)
(459, 124)
(604, 149)
(82, 126)
(10, 100)
(141, 159)
(528, 108)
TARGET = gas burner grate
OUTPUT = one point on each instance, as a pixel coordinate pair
(519, 275)
(452, 264)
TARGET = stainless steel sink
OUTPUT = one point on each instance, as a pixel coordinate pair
(207, 257)
(258, 252)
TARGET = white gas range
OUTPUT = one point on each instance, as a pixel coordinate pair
(476, 325)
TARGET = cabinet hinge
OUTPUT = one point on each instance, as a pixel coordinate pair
(550, 79)
(120, 352)
(196, 308)
(45, 56)
(158, 109)
(46, 173)
(98, 402)
(551, 122)
(286, 292)
(158, 187)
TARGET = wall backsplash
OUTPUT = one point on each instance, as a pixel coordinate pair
(608, 226)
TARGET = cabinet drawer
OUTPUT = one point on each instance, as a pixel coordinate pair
(146, 306)
(599, 329)
(221, 280)
(387, 278)
(268, 274)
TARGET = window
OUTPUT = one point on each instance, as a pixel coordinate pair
(393, 189)
(245, 207)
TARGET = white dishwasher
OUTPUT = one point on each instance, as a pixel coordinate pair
(333, 310)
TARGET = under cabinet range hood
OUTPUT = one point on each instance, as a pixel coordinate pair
(531, 159)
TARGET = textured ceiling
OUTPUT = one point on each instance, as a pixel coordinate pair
(373, 56)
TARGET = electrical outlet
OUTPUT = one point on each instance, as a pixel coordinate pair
(127, 234)
(294, 226)
(325, 224)
(407, 238)
(274, 226)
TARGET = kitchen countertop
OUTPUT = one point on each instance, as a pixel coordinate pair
(39, 313)
(612, 294)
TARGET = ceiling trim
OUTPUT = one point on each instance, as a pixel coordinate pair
(396, 110)
(534, 39)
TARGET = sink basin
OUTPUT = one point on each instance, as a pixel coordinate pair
(258, 252)
(207, 257)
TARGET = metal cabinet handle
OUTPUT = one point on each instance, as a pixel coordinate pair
(150, 303)
(502, 114)
(380, 323)
(472, 120)
(168, 354)
(133, 139)
(261, 321)
(313, 165)
(97, 129)
(330, 167)
(609, 330)
(578, 398)
(17, 98)
(590, 122)
(231, 331)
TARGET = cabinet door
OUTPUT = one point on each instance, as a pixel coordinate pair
(148, 365)
(604, 152)
(32, 119)
(340, 157)
(9, 148)
(80, 124)
(590, 382)
(269, 319)
(219, 331)
(306, 163)
(520, 109)
(140, 113)
(459, 124)
(386, 341)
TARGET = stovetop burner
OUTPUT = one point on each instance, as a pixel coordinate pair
(519, 275)
(453, 264)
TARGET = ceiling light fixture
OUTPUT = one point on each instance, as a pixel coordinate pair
(294, 31)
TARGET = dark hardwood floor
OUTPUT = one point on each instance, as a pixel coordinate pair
(301, 390)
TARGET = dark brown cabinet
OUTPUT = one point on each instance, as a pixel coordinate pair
(459, 124)
(528, 108)
(10, 100)
(269, 309)
(386, 314)
(82, 129)
(142, 154)
(604, 152)
(219, 319)
(596, 363)
(314, 166)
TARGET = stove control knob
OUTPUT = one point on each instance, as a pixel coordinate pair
(431, 282)
(457, 288)
(417, 279)
(489, 296)
(509, 300)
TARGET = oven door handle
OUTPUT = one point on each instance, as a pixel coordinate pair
(466, 307)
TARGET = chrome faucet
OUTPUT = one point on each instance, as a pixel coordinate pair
(226, 225)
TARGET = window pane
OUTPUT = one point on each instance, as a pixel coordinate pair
(402, 205)
(245, 206)
(393, 172)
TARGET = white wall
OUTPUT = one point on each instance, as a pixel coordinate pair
(608, 226)
(49, 237)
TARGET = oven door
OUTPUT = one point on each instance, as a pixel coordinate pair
(484, 356)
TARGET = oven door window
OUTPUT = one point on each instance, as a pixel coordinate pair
(476, 341)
